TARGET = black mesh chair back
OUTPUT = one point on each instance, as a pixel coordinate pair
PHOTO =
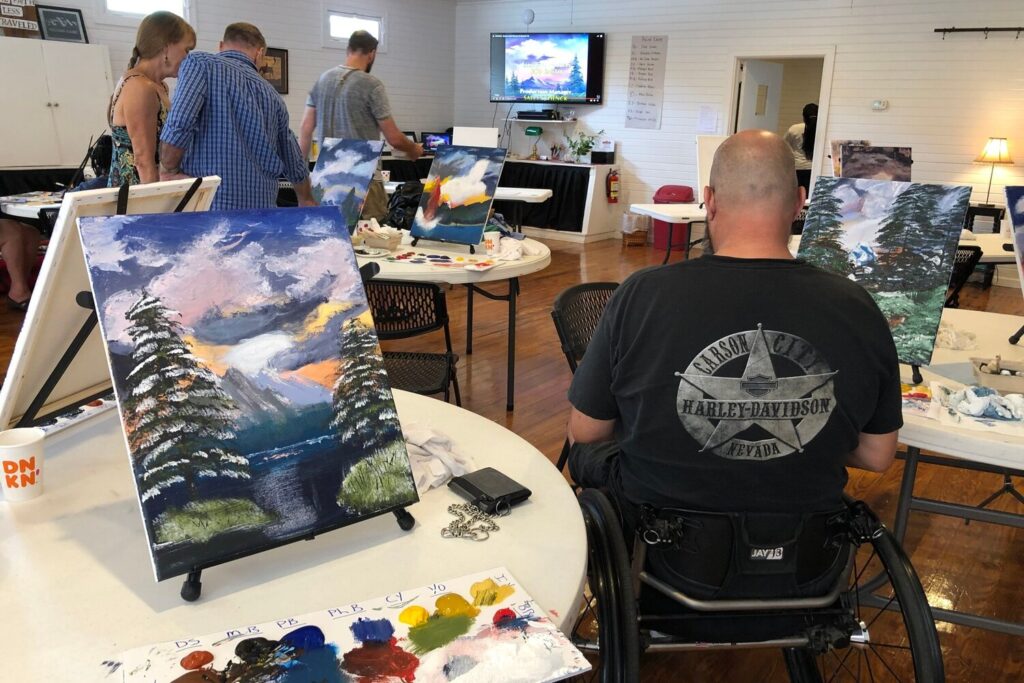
(406, 309)
(48, 220)
(966, 261)
(576, 312)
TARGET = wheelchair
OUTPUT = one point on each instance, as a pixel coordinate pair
(852, 607)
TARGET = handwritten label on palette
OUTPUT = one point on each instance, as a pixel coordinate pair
(646, 82)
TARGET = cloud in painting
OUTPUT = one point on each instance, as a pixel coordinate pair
(1018, 208)
(467, 189)
(254, 354)
(317, 269)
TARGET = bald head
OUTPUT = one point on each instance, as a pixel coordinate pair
(754, 167)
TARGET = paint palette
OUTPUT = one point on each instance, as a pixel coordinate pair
(481, 627)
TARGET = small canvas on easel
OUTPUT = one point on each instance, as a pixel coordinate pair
(898, 241)
(343, 173)
(249, 380)
(1015, 209)
(474, 629)
(458, 194)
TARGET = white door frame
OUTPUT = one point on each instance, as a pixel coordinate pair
(827, 53)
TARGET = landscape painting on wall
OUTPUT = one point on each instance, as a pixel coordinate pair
(458, 194)
(876, 163)
(1015, 209)
(836, 146)
(897, 240)
(248, 376)
(343, 173)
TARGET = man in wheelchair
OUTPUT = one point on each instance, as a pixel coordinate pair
(721, 399)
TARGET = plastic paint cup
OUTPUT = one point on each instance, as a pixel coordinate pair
(21, 463)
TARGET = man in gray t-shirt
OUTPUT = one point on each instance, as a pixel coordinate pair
(347, 102)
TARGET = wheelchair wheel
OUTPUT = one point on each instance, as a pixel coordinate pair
(894, 638)
(607, 624)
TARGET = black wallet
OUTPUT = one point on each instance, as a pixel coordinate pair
(490, 490)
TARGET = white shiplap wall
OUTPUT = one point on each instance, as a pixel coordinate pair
(945, 96)
(416, 67)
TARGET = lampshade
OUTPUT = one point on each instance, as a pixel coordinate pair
(995, 152)
(533, 131)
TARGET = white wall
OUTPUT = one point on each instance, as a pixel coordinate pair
(416, 67)
(946, 97)
(801, 83)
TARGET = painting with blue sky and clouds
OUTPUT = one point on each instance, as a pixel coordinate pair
(458, 194)
(897, 240)
(248, 376)
(343, 173)
(1015, 209)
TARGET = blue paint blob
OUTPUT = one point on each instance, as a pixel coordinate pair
(458, 666)
(373, 630)
(305, 638)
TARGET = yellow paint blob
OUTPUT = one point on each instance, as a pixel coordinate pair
(487, 592)
(454, 605)
(414, 615)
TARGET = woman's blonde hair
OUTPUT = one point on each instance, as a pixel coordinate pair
(156, 32)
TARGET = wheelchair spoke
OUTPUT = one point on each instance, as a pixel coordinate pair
(885, 663)
(881, 611)
(842, 663)
(864, 659)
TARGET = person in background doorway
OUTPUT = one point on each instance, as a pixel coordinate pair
(347, 102)
(140, 102)
(800, 138)
(227, 120)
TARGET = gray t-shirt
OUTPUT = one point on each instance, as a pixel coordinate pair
(349, 103)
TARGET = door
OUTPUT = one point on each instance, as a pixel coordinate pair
(760, 94)
(80, 87)
(25, 118)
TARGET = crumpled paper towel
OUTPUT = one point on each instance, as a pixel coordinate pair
(433, 457)
(986, 402)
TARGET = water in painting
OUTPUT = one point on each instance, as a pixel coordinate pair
(248, 376)
(898, 240)
(458, 194)
(343, 173)
(473, 629)
(1015, 209)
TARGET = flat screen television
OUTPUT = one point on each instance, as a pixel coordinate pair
(547, 68)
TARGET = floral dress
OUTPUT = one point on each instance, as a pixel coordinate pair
(122, 161)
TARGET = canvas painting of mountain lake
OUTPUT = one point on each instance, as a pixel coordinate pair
(897, 240)
(343, 173)
(479, 628)
(248, 376)
(1015, 209)
(458, 194)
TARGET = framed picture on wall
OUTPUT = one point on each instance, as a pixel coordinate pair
(61, 23)
(275, 69)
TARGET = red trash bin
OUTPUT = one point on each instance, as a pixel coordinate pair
(672, 194)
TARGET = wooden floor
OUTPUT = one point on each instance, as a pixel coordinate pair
(977, 568)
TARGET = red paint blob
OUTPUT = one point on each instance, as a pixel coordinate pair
(378, 661)
(503, 615)
(196, 660)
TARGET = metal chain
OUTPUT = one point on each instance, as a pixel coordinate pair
(470, 522)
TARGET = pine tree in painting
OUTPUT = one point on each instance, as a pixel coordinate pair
(178, 418)
(513, 87)
(825, 223)
(576, 85)
(908, 239)
(351, 207)
(364, 416)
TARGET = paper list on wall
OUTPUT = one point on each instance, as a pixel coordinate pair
(646, 82)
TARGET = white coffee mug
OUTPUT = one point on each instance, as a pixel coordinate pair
(21, 463)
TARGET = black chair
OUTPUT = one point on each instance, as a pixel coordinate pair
(576, 312)
(406, 309)
(866, 616)
(966, 261)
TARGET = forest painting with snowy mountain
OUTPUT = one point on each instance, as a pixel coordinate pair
(898, 240)
(248, 376)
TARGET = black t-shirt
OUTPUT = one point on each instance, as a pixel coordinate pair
(739, 384)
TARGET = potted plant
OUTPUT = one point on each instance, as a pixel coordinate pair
(581, 144)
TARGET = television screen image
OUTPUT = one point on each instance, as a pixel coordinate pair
(547, 67)
(431, 141)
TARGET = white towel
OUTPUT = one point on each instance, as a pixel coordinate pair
(433, 457)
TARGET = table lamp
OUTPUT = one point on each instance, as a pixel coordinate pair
(995, 152)
(534, 132)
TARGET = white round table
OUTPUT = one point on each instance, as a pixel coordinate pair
(77, 587)
(453, 273)
(26, 209)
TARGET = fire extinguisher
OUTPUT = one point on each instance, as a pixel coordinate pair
(611, 186)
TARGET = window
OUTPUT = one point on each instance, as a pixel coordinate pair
(340, 25)
(144, 7)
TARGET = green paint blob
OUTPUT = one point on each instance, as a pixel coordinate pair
(438, 631)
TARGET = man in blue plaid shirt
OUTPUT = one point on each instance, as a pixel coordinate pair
(227, 120)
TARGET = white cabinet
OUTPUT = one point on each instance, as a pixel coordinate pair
(53, 98)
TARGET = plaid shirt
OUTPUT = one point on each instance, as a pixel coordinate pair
(232, 123)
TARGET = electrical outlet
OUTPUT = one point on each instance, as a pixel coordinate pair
(880, 105)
